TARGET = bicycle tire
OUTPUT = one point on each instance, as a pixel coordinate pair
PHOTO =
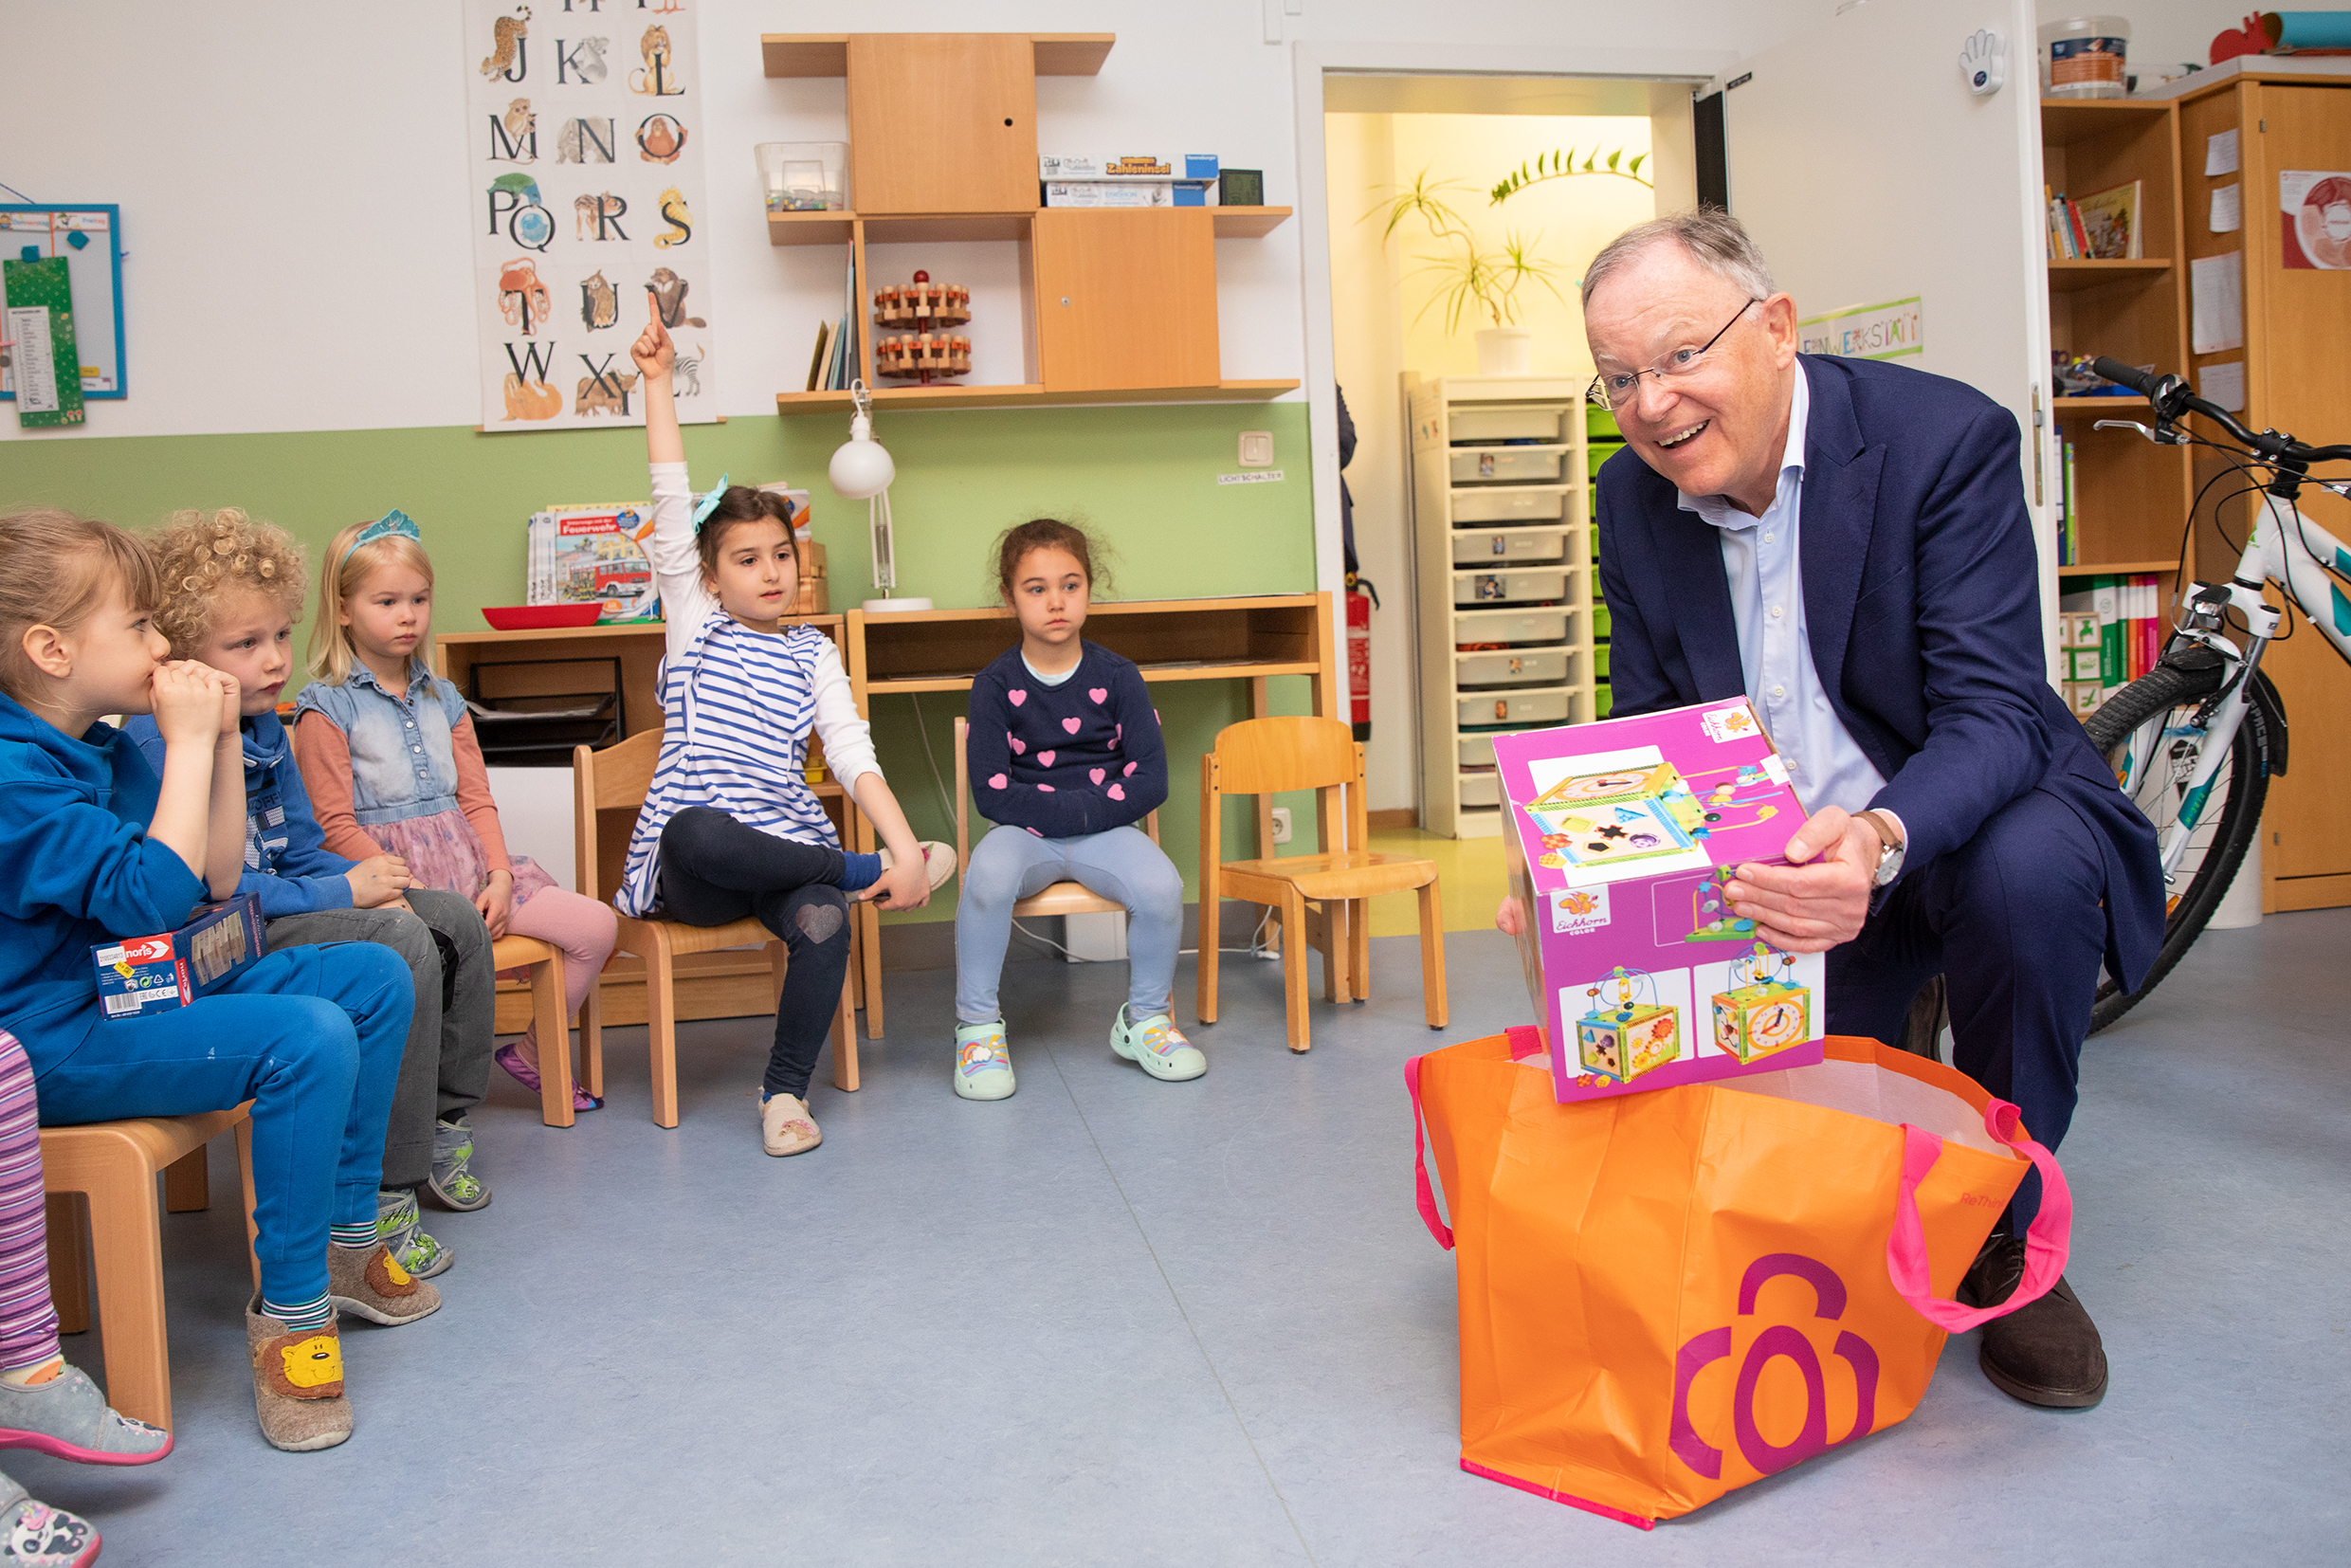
(2150, 699)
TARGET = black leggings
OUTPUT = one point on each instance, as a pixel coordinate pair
(714, 870)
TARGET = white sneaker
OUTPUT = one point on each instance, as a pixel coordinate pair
(938, 861)
(983, 1065)
(785, 1125)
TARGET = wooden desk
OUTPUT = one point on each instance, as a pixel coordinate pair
(710, 985)
(1250, 639)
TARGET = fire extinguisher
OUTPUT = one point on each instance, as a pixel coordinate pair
(1362, 598)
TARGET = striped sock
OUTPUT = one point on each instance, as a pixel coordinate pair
(858, 873)
(359, 1237)
(310, 1314)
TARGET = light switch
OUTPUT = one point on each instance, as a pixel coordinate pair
(1256, 448)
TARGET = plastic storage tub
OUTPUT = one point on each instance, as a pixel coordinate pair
(1543, 705)
(1535, 584)
(1497, 546)
(1481, 788)
(1476, 426)
(1500, 505)
(1533, 667)
(1511, 625)
(1522, 464)
(1476, 750)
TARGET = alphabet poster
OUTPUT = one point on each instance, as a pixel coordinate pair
(586, 141)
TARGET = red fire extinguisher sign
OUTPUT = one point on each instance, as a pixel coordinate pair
(1362, 598)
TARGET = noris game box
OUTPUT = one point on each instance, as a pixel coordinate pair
(1620, 837)
(139, 975)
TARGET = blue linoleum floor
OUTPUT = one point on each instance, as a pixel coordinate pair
(1112, 1320)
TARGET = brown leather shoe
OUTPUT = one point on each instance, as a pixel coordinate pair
(2047, 1352)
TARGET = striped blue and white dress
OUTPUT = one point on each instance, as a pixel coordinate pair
(737, 708)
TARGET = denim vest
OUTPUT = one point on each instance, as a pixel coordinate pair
(403, 763)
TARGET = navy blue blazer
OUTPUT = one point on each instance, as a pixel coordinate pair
(1922, 600)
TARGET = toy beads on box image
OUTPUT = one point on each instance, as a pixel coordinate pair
(139, 975)
(1621, 838)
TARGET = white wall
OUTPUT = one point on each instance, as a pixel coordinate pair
(297, 200)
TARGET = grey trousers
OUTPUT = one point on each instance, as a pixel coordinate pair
(444, 1069)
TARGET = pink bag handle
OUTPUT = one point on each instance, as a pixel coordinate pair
(1427, 1199)
(2046, 1239)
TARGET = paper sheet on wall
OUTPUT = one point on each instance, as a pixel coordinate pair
(2223, 384)
(585, 138)
(2217, 303)
(2220, 153)
(2228, 209)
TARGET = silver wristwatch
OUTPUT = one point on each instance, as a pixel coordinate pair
(1889, 857)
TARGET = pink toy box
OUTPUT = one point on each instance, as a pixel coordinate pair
(1619, 838)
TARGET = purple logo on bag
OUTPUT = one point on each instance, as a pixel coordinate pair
(1702, 1350)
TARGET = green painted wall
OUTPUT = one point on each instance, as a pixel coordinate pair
(1142, 477)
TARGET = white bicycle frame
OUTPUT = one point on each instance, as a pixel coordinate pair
(2282, 549)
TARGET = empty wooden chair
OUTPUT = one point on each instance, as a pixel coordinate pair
(1062, 898)
(114, 1164)
(1320, 896)
(609, 787)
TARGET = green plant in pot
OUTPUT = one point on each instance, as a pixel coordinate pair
(1470, 279)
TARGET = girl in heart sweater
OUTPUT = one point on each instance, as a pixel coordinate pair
(1066, 757)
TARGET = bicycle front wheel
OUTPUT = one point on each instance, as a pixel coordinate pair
(2149, 736)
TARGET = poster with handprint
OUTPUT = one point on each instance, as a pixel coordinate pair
(584, 140)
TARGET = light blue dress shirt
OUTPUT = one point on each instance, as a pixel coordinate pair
(1764, 568)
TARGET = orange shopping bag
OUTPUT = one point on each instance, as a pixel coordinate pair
(1668, 1295)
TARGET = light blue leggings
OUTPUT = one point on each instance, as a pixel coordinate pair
(1012, 864)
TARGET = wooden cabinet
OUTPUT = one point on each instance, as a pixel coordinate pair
(942, 122)
(2297, 340)
(1126, 299)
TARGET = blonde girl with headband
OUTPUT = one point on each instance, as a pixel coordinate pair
(730, 827)
(388, 752)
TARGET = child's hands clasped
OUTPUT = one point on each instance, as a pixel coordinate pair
(652, 350)
(189, 702)
(377, 880)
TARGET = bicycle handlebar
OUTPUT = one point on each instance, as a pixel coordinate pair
(2170, 397)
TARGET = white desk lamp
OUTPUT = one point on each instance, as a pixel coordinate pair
(862, 470)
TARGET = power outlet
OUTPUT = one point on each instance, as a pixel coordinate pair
(1281, 825)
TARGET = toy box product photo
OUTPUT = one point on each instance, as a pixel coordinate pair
(139, 975)
(1620, 837)
(594, 554)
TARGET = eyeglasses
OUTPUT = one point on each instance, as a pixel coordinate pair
(1615, 389)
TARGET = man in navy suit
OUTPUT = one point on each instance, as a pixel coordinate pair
(1845, 543)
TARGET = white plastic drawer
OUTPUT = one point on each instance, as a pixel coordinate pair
(1553, 705)
(1500, 505)
(1510, 626)
(1477, 751)
(1510, 587)
(1523, 464)
(1481, 788)
(1534, 668)
(1475, 547)
(1537, 423)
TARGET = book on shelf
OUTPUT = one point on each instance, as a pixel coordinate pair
(2110, 222)
(820, 361)
(2127, 613)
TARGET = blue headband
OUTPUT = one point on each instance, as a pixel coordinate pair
(709, 502)
(392, 522)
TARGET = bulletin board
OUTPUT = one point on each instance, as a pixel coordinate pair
(95, 264)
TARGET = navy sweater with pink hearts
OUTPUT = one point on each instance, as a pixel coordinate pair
(1063, 761)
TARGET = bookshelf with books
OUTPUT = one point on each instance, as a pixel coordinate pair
(2121, 501)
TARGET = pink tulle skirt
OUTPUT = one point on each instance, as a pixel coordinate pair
(442, 851)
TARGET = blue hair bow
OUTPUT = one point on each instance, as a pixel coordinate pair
(709, 502)
(392, 522)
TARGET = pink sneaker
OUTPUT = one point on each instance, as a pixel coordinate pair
(510, 1057)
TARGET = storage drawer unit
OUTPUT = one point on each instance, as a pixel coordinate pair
(1477, 751)
(1476, 546)
(1519, 464)
(1536, 666)
(1521, 708)
(1481, 788)
(1510, 422)
(1534, 586)
(1499, 505)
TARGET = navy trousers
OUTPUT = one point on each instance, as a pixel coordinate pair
(2013, 921)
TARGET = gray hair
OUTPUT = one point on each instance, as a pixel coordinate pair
(1708, 235)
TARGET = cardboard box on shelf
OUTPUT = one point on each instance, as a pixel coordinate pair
(1139, 193)
(1189, 166)
(1619, 837)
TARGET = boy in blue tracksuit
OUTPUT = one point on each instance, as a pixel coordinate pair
(97, 847)
(234, 610)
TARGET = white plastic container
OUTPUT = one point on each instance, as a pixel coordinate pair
(1531, 667)
(1475, 751)
(1481, 788)
(1548, 706)
(2086, 57)
(1509, 545)
(804, 176)
(1511, 625)
(1505, 422)
(1523, 464)
(1527, 587)
(1500, 505)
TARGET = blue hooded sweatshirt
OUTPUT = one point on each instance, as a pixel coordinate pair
(286, 860)
(79, 870)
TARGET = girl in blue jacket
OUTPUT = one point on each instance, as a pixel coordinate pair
(99, 847)
(1065, 756)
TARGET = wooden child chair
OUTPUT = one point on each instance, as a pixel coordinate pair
(550, 1025)
(1321, 896)
(609, 788)
(1062, 898)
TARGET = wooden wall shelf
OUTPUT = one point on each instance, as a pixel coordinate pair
(1031, 397)
(1232, 222)
(2086, 404)
(2068, 275)
(828, 53)
(2169, 563)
